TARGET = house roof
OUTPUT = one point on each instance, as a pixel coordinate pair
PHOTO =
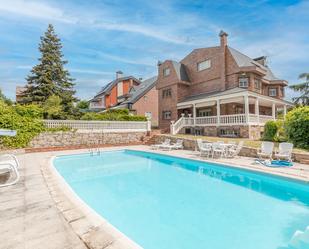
(243, 60)
(180, 71)
(111, 84)
(213, 94)
(137, 92)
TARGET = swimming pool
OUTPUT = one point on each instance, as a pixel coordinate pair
(168, 202)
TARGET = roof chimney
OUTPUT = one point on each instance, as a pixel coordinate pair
(119, 74)
(223, 38)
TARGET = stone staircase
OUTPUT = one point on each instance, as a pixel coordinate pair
(149, 140)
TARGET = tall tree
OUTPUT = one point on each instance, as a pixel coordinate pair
(303, 89)
(49, 77)
(5, 99)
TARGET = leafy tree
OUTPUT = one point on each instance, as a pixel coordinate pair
(52, 108)
(297, 126)
(303, 89)
(5, 99)
(83, 104)
(49, 77)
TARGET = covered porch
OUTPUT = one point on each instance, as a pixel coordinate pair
(229, 110)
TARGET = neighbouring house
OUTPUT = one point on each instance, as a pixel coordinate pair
(113, 93)
(19, 93)
(218, 91)
(140, 97)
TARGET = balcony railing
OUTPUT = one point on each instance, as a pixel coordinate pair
(224, 120)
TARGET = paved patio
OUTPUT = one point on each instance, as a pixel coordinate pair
(38, 213)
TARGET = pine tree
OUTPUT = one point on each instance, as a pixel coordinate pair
(50, 77)
(303, 89)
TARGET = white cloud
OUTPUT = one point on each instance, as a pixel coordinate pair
(35, 9)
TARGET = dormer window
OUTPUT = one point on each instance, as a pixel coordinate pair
(243, 82)
(166, 71)
(272, 92)
(203, 65)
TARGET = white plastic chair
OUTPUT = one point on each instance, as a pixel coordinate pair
(204, 148)
(266, 150)
(234, 151)
(9, 163)
(218, 148)
(285, 151)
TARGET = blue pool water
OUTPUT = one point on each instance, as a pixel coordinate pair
(164, 202)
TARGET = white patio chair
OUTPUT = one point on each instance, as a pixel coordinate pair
(9, 163)
(166, 142)
(176, 146)
(234, 151)
(218, 148)
(204, 148)
(266, 150)
(285, 151)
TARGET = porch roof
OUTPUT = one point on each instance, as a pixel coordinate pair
(230, 93)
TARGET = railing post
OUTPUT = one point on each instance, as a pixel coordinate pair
(257, 110)
(148, 126)
(172, 128)
(194, 115)
(274, 111)
(246, 102)
(218, 112)
(284, 111)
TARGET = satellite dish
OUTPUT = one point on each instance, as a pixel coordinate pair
(9, 133)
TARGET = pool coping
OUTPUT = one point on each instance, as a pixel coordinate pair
(93, 229)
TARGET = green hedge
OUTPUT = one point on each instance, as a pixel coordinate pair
(22, 119)
(113, 115)
(297, 126)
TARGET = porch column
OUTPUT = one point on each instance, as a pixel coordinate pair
(194, 114)
(274, 111)
(246, 100)
(284, 111)
(257, 110)
(218, 112)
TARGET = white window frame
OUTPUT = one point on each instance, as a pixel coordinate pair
(165, 116)
(243, 84)
(166, 71)
(204, 112)
(272, 92)
(203, 65)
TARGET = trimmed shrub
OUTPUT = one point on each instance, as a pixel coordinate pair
(113, 115)
(297, 126)
(270, 130)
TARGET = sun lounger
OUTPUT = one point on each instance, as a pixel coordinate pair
(285, 151)
(176, 146)
(158, 146)
(9, 163)
(266, 150)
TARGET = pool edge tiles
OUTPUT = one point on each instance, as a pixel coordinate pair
(93, 229)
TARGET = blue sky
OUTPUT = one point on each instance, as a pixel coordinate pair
(101, 37)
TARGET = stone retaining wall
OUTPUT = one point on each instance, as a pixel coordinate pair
(190, 144)
(63, 139)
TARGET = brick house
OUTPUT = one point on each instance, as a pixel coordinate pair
(140, 97)
(113, 93)
(218, 91)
